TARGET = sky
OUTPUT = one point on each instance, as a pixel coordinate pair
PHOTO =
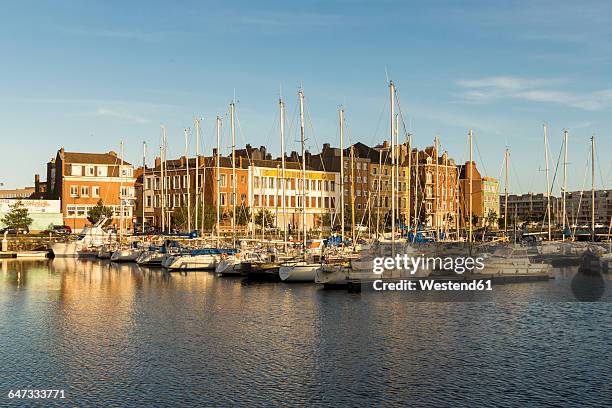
(87, 75)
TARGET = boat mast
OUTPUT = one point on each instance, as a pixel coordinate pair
(121, 196)
(471, 168)
(409, 144)
(144, 173)
(281, 106)
(162, 156)
(341, 112)
(218, 220)
(352, 196)
(232, 115)
(436, 187)
(506, 195)
(392, 110)
(302, 130)
(197, 173)
(593, 188)
(378, 190)
(565, 139)
(416, 193)
(547, 181)
(397, 172)
(185, 131)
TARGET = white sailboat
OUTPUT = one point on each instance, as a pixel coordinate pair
(303, 270)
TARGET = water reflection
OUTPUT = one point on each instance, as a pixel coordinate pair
(127, 335)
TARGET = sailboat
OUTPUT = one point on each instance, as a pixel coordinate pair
(305, 269)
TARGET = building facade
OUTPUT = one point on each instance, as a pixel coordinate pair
(81, 180)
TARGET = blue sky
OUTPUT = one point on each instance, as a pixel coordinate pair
(85, 75)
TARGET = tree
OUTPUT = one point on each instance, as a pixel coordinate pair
(264, 217)
(243, 215)
(179, 218)
(491, 218)
(97, 212)
(18, 217)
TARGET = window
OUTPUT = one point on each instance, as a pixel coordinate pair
(223, 181)
(95, 191)
(148, 201)
(157, 201)
(176, 182)
(126, 171)
(148, 183)
(74, 191)
(176, 200)
(185, 181)
(326, 185)
(76, 170)
(333, 186)
(223, 199)
(374, 171)
(256, 181)
(85, 191)
(270, 182)
(101, 171)
(89, 170)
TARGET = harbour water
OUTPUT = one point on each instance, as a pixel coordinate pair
(120, 335)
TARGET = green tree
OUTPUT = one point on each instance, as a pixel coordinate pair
(243, 215)
(179, 218)
(264, 217)
(491, 218)
(17, 217)
(97, 212)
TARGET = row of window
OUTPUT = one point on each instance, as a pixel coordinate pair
(81, 211)
(291, 183)
(94, 191)
(97, 171)
(293, 201)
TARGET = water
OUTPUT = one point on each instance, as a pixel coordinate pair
(119, 335)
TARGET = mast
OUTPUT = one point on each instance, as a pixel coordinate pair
(232, 115)
(437, 186)
(281, 106)
(470, 189)
(392, 109)
(416, 193)
(564, 181)
(341, 111)
(197, 174)
(408, 177)
(185, 131)
(593, 188)
(162, 155)
(121, 196)
(378, 190)
(302, 129)
(397, 172)
(352, 197)
(506, 194)
(218, 220)
(547, 181)
(144, 173)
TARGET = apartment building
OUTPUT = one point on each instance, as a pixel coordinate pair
(485, 197)
(81, 180)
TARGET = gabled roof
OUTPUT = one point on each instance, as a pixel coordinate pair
(92, 158)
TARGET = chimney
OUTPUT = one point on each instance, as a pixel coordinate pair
(157, 161)
(214, 152)
(113, 153)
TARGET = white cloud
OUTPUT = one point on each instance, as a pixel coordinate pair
(533, 90)
(119, 114)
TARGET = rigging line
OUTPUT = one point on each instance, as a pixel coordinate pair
(586, 170)
(552, 184)
(479, 155)
(515, 176)
(603, 185)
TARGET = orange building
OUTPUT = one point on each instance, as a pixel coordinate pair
(81, 180)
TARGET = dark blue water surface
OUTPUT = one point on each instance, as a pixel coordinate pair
(119, 335)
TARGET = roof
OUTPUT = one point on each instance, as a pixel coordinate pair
(92, 158)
